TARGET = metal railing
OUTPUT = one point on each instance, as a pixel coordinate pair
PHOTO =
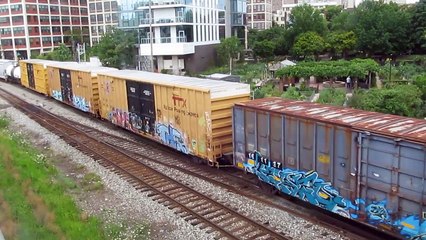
(147, 40)
(163, 20)
(160, 2)
(164, 40)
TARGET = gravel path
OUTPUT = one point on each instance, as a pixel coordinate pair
(125, 200)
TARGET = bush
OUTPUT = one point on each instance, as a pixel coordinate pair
(332, 96)
(403, 100)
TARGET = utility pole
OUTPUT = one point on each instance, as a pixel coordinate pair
(150, 35)
(81, 49)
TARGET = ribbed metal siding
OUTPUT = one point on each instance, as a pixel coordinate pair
(393, 170)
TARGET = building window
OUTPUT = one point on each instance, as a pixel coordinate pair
(16, 8)
(45, 30)
(17, 19)
(20, 41)
(5, 31)
(107, 6)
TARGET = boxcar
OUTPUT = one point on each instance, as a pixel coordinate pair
(34, 75)
(192, 115)
(75, 84)
(366, 166)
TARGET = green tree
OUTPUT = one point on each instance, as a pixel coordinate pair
(330, 12)
(61, 53)
(276, 34)
(341, 42)
(306, 19)
(116, 48)
(344, 22)
(308, 44)
(382, 28)
(418, 26)
(264, 49)
(229, 49)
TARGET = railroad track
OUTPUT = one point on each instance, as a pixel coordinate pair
(145, 150)
(194, 207)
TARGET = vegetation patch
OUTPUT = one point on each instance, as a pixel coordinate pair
(332, 96)
(92, 182)
(33, 199)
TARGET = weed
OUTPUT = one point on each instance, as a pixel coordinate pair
(92, 182)
(4, 122)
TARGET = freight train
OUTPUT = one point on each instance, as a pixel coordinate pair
(366, 166)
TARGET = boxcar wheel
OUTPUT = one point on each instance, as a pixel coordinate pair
(267, 188)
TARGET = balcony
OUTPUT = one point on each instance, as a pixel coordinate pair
(18, 22)
(31, 10)
(6, 34)
(33, 33)
(7, 47)
(164, 40)
(16, 11)
(161, 4)
(35, 45)
(165, 21)
(5, 24)
(159, 49)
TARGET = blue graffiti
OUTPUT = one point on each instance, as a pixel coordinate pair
(80, 103)
(57, 95)
(171, 137)
(308, 187)
(377, 212)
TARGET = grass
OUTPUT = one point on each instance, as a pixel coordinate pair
(33, 199)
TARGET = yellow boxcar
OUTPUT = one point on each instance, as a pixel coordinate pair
(34, 75)
(191, 115)
(75, 84)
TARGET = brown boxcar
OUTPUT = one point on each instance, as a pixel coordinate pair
(366, 166)
(192, 115)
(75, 84)
(34, 75)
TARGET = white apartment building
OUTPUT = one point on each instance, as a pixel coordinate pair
(184, 33)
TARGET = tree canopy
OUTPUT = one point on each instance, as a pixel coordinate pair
(61, 53)
(330, 69)
(116, 48)
(229, 49)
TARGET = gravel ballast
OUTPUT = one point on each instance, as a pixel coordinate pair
(123, 200)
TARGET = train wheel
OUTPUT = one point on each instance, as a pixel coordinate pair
(267, 188)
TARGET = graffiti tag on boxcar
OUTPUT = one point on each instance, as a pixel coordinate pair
(172, 137)
(309, 187)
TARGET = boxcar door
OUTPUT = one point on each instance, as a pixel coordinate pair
(66, 85)
(147, 103)
(393, 175)
(134, 106)
(30, 73)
